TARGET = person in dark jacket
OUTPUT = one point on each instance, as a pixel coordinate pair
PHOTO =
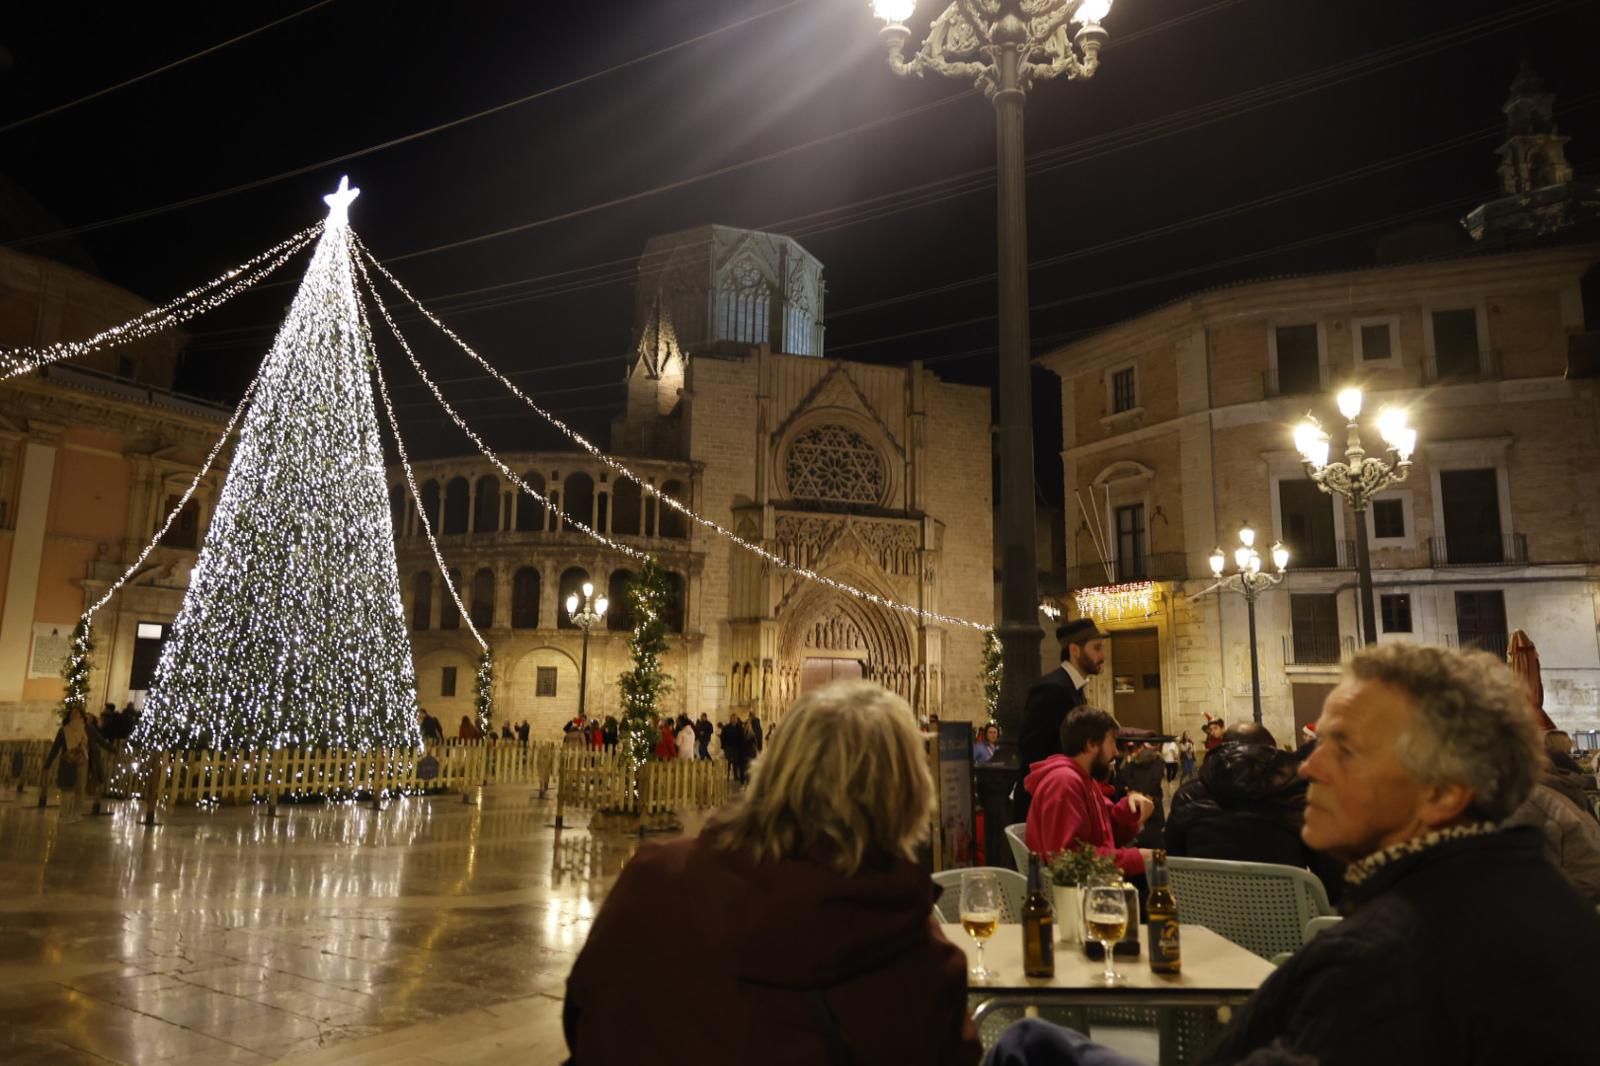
(1422, 753)
(800, 913)
(1052, 697)
(1142, 771)
(81, 771)
(1562, 772)
(1248, 805)
(736, 747)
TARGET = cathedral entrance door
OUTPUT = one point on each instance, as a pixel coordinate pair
(817, 671)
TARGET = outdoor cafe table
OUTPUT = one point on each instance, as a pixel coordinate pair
(1217, 975)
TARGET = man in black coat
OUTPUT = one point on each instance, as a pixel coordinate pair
(1462, 945)
(1083, 653)
(1248, 805)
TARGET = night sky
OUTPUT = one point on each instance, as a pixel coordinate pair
(1355, 118)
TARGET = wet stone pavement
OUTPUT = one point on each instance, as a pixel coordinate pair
(430, 932)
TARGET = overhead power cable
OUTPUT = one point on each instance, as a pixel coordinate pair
(19, 123)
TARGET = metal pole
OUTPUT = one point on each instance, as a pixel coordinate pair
(583, 674)
(1369, 614)
(1019, 630)
(1255, 657)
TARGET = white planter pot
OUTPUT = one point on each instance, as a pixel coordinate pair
(1069, 915)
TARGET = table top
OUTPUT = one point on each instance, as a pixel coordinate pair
(1211, 964)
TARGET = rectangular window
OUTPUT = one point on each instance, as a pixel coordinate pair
(1455, 343)
(1314, 618)
(1299, 370)
(1481, 621)
(1375, 342)
(1388, 518)
(1305, 514)
(1124, 394)
(1396, 612)
(544, 681)
(447, 682)
(1470, 500)
(1130, 543)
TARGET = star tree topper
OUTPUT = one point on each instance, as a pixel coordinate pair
(339, 202)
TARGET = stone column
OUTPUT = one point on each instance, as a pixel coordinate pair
(27, 549)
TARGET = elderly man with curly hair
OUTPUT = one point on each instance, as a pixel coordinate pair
(1462, 945)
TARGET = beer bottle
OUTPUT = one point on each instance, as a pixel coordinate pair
(1038, 926)
(1162, 908)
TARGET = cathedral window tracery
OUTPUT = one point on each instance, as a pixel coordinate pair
(835, 464)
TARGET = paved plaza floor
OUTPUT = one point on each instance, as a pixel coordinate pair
(430, 932)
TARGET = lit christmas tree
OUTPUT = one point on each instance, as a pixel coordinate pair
(292, 632)
(644, 686)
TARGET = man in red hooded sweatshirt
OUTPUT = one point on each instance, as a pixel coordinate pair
(1069, 808)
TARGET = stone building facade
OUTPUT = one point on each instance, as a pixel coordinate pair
(92, 458)
(876, 477)
(1178, 429)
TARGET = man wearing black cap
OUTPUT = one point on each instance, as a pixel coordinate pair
(1083, 653)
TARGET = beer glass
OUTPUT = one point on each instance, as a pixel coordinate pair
(980, 912)
(1105, 918)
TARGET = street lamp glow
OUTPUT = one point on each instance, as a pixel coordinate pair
(1091, 12)
(894, 12)
(1218, 561)
(1350, 403)
(1406, 444)
(600, 606)
(1280, 556)
(1247, 535)
(1311, 442)
(1391, 423)
(588, 589)
(1241, 557)
(572, 604)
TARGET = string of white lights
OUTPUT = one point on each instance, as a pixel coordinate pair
(482, 446)
(172, 516)
(411, 480)
(588, 446)
(196, 301)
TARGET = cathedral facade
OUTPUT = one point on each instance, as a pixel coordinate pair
(873, 477)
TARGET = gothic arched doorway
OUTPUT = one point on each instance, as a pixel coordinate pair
(827, 636)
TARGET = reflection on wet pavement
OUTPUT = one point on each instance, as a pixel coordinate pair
(226, 936)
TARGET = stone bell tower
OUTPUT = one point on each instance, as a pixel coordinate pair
(1539, 193)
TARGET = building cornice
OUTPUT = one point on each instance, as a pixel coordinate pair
(1346, 292)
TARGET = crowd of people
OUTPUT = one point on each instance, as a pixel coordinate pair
(736, 741)
(1423, 798)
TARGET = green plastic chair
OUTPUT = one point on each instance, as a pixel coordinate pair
(1016, 836)
(1014, 889)
(1261, 906)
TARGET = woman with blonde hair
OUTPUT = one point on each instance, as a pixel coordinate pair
(809, 928)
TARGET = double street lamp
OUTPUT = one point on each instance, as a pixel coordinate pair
(585, 613)
(1005, 46)
(1359, 478)
(1249, 581)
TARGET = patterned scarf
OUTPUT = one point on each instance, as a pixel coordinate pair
(1365, 868)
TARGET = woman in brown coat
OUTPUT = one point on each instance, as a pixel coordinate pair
(804, 928)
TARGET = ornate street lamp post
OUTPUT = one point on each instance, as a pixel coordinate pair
(1249, 581)
(1005, 46)
(585, 614)
(1359, 478)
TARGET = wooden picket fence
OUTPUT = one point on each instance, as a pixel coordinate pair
(586, 779)
(592, 781)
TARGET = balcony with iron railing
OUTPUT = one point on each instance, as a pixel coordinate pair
(1510, 549)
(1495, 644)
(1334, 555)
(1294, 381)
(1461, 366)
(1157, 566)
(1317, 649)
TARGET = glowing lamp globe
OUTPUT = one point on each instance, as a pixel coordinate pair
(1350, 403)
(1406, 443)
(572, 605)
(1280, 556)
(1091, 12)
(893, 12)
(1241, 557)
(600, 606)
(1218, 561)
(1247, 535)
(1391, 423)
